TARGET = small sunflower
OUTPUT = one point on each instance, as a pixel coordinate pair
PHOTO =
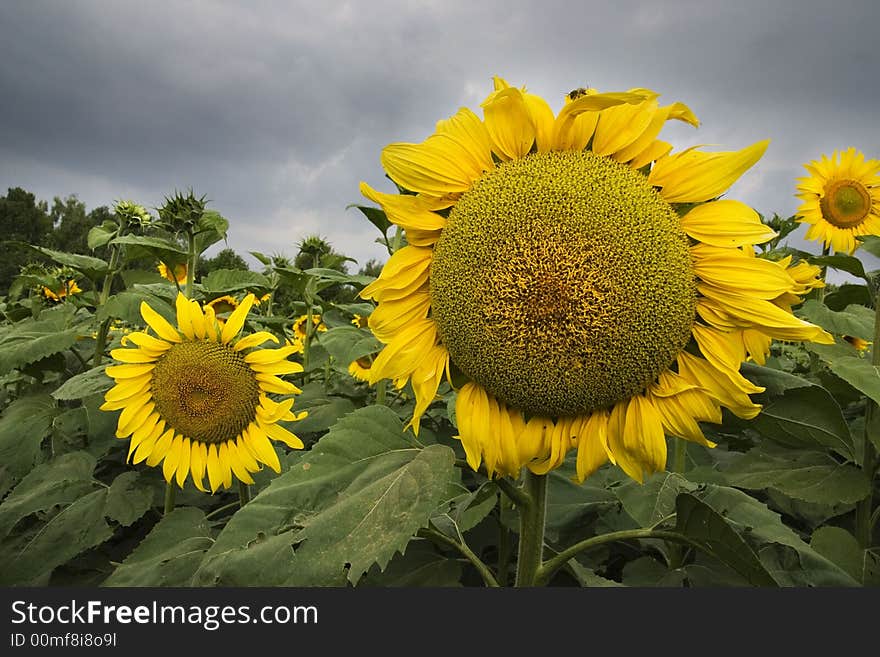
(841, 199)
(64, 290)
(177, 275)
(360, 368)
(360, 321)
(262, 299)
(299, 326)
(585, 282)
(196, 397)
(224, 304)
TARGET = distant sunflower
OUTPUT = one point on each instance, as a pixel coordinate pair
(177, 275)
(585, 282)
(299, 326)
(224, 304)
(66, 289)
(196, 397)
(841, 199)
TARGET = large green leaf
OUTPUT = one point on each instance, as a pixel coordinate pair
(127, 306)
(158, 248)
(702, 523)
(764, 530)
(798, 413)
(23, 426)
(804, 475)
(233, 280)
(32, 339)
(841, 547)
(852, 367)
(848, 294)
(356, 497)
(84, 384)
(59, 482)
(854, 320)
(324, 410)
(170, 553)
(211, 228)
(849, 264)
(93, 268)
(128, 498)
(420, 565)
(74, 529)
(347, 343)
(654, 500)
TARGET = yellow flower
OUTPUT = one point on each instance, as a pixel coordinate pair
(65, 290)
(858, 343)
(360, 369)
(299, 326)
(841, 199)
(178, 276)
(224, 304)
(359, 321)
(549, 261)
(195, 397)
(262, 299)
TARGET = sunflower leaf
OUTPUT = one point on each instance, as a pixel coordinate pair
(849, 264)
(23, 426)
(233, 280)
(170, 553)
(357, 497)
(93, 268)
(84, 384)
(854, 320)
(32, 339)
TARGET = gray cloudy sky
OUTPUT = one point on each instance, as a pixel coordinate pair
(276, 110)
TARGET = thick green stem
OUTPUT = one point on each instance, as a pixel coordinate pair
(503, 541)
(101, 337)
(381, 391)
(679, 463)
(170, 494)
(531, 529)
(244, 493)
(864, 509)
(546, 571)
(820, 292)
(190, 264)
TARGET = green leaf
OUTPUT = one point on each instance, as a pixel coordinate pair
(100, 236)
(347, 343)
(654, 500)
(128, 498)
(375, 216)
(233, 280)
(211, 228)
(842, 548)
(93, 268)
(356, 497)
(164, 249)
(852, 367)
(169, 555)
(86, 383)
(854, 320)
(571, 505)
(804, 475)
(848, 294)
(420, 565)
(31, 339)
(57, 483)
(763, 528)
(23, 426)
(74, 529)
(127, 307)
(699, 521)
(339, 277)
(797, 413)
(849, 264)
(324, 412)
(871, 244)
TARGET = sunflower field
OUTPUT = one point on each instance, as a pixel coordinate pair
(582, 364)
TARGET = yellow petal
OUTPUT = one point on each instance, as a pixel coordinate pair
(620, 126)
(129, 371)
(199, 326)
(277, 432)
(159, 324)
(436, 167)
(236, 463)
(184, 317)
(405, 210)
(260, 445)
(254, 340)
(169, 467)
(135, 356)
(509, 124)
(198, 462)
(693, 176)
(128, 388)
(134, 415)
(183, 460)
(592, 444)
(215, 471)
(148, 343)
(404, 354)
(225, 465)
(469, 134)
(718, 385)
(270, 356)
(271, 383)
(408, 267)
(425, 381)
(726, 223)
(470, 396)
(160, 449)
(722, 348)
(234, 324)
(390, 317)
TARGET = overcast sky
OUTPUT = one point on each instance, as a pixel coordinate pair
(276, 110)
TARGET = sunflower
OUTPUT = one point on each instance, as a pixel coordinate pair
(225, 304)
(581, 285)
(299, 326)
(841, 199)
(196, 397)
(64, 290)
(177, 275)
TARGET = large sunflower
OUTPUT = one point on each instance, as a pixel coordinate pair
(841, 199)
(586, 282)
(196, 397)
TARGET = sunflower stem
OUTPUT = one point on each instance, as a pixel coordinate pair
(864, 533)
(190, 263)
(549, 567)
(438, 537)
(680, 463)
(244, 493)
(170, 494)
(101, 337)
(531, 529)
(381, 391)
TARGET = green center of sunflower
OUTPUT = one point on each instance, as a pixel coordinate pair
(205, 391)
(846, 203)
(563, 283)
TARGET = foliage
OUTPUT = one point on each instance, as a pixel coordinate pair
(367, 503)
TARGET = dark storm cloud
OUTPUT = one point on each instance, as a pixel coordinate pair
(277, 110)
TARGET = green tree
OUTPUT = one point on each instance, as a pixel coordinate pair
(71, 224)
(225, 259)
(24, 219)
